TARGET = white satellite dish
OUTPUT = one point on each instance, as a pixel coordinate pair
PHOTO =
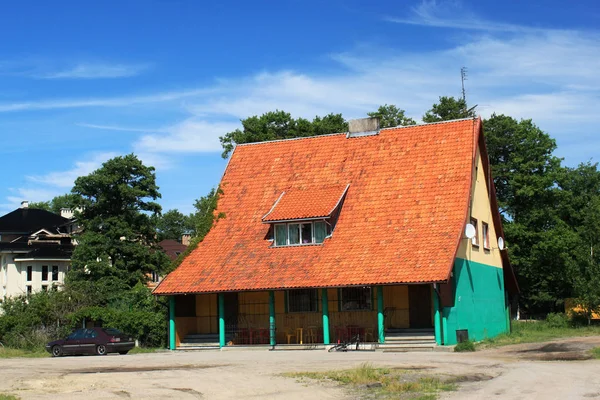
(470, 231)
(501, 243)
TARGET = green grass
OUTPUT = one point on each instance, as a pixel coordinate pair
(4, 396)
(596, 353)
(384, 382)
(467, 345)
(142, 350)
(538, 331)
(7, 352)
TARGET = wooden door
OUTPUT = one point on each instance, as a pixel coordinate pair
(419, 304)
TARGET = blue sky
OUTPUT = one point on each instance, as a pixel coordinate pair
(83, 82)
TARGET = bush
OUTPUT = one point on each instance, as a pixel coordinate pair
(557, 320)
(579, 319)
(467, 345)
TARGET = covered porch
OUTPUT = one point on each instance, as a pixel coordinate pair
(300, 317)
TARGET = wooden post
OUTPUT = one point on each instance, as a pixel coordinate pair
(172, 333)
(325, 307)
(272, 338)
(380, 320)
(221, 300)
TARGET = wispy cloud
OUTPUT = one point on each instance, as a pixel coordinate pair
(451, 14)
(121, 128)
(65, 179)
(96, 71)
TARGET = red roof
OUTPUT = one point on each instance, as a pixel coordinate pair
(172, 248)
(305, 204)
(401, 220)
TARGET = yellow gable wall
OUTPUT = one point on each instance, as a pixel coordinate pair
(481, 210)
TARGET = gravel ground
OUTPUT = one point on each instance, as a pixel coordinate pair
(534, 371)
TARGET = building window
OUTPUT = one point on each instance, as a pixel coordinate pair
(28, 287)
(55, 272)
(302, 300)
(44, 288)
(44, 272)
(29, 273)
(485, 230)
(300, 233)
(475, 239)
(355, 298)
(155, 277)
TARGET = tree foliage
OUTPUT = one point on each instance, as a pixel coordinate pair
(447, 109)
(278, 124)
(173, 224)
(390, 116)
(68, 200)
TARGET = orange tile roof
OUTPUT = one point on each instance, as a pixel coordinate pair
(302, 204)
(401, 220)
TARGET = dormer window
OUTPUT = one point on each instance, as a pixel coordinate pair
(293, 233)
(305, 216)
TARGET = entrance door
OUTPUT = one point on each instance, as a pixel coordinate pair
(419, 306)
(231, 311)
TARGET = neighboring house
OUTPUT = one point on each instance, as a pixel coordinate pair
(172, 249)
(361, 233)
(35, 250)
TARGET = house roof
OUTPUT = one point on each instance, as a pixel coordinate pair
(304, 204)
(401, 221)
(172, 248)
(27, 220)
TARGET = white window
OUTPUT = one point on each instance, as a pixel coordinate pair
(475, 239)
(297, 233)
(485, 230)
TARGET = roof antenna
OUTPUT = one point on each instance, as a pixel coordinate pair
(463, 78)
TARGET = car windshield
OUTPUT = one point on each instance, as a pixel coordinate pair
(112, 331)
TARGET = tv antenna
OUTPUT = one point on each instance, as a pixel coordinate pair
(463, 78)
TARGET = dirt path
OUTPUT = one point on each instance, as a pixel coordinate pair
(512, 372)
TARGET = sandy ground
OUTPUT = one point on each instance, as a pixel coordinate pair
(513, 372)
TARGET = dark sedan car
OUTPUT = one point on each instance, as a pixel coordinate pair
(99, 341)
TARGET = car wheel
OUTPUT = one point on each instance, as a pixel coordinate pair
(123, 352)
(57, 351)
(101, 350)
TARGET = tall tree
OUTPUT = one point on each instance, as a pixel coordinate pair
(390, 116)
(172, 225)
(278, 124)
(447, 109)
(68, 200)
(118, 242)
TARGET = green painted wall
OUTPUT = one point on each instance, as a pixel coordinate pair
(479, 302)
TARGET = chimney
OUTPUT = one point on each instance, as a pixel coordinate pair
(185, 239)
(25, 204)
(363, 127)
(66, 213)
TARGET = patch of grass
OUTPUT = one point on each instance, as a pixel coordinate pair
(467, 345)
(7, 352)
(4, 396)
(537, 331)
(142, 350)
(383, 382)
(596, 353)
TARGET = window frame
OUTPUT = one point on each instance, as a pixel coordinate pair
(45, 272)
(300, 225)
(29, 273)
(341, 298)
(475, 239)
(288, 301)
(55, 270)
(485, 230)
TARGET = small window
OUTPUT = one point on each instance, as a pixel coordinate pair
(294, 233)
(475, 239)
(55, 272)
(90, 334)
(306, 233)
(320, 231)
(486, 235)
(29, 273)
(44, 288)
(177, 253)
(44, 272)
(155, 277)
(77, 335)
(29, 289)
(355, 298)
(280, 235)
(302, 300)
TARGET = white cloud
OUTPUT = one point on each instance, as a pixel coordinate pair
(95, 71)
(121, 128)
(65, 179)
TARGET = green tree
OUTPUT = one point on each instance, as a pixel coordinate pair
(118, 243)
(390, 116)
(172, 225)
(278, 124)
(447, 109)
(68, 200)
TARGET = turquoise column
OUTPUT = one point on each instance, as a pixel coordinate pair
(221, 300)
(325, 307)
(436, 317)
(272, 338)
(380, 320)
(172, 338)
